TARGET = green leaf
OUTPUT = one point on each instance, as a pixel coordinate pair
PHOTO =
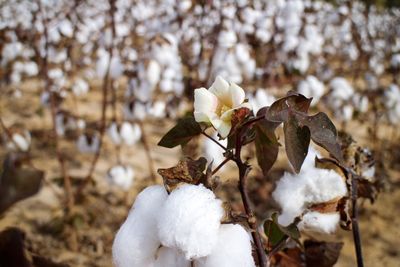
(17, 182)
(276, 232)
(297, 140)
(181, 133)
(280, 109)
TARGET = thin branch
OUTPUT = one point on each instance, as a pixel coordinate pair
(215, 141)
(252, 220)
(67, 180)
(354, 221)
(220, 166)
(148, 153)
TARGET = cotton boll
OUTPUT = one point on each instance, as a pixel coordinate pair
(80, 87)
(261, 99)
(190, 220)
(169, 257)
(121, 176)
(227, 39)
(88, 143)
(341, 88)
(232, 250)
(325, 223)
(153, 72)
(20, 141)
(130, 133)
(114, 134)
(311, 87)
(136, 243)
(158, 109)
(166, 85)
(395, 61)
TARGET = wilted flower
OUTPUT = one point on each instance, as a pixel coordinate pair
(216, 105)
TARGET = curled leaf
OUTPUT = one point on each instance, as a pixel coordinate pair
(181, 133)
(280, 109)
(186, 171)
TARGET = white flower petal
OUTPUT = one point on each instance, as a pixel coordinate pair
(220, 88)
(237, 95)
(204, 100)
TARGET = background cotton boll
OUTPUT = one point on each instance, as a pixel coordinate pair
(121, 176)
(311, 87)
(136, 243)
(113, 133)
(65, 27)
(169, 257)
(166, 85)
(190, 220)
(130, 133)
(227, 38)
(20, 141)
(31, 68)
(261, 99)
(158, 109)
(360, 102)
(395, 61)
(341, 88)
(80, 87)
(325, 223)
(135, 110)
(153, 72)
(232, 250)
(88, 143)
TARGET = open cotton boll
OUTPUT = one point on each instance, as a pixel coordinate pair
(21, 140)
(341, 88)
(80, 87)
(170, 257)
(114, 134)
(121, 176)
(190, 220)
(311, 87)
(136, 243)
(88, 143)
(130, 133)
(317, 222)
(232, 250)
(153, 72)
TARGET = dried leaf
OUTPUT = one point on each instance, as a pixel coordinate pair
(186, 171)
(238, 117)
(17, 182)
(280, 109)
(297, 140)
(181, 133)
(323, 133)
(267, 146)
(321, 254)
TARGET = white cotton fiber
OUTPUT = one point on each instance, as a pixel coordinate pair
(317, 222)
(121, 176)
(170, 257)
(232, 250)
(137, 242)
(190, 220)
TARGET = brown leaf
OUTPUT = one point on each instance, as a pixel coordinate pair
(291, 257)
(238, 117)
(321, 254)
(280, 109)
(297, 140)
(186, 171)
(17, 181)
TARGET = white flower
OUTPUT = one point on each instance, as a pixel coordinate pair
(232, 250)
(190, 221)
(217, 104)
(136, 242)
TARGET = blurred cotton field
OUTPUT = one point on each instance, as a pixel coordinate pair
(89, 87)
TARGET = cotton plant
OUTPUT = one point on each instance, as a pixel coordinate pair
(184, 223)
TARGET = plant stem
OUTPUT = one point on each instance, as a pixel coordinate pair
(220, 166)
(354, 221)
(252, 220)
(148, 153)
(67, 180)
(215, 141)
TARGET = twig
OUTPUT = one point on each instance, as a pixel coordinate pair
(67, 180)
(354, 221)
(220, 165)
(106, 80)
(252, 220)
(148, 153)
(215, 141)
